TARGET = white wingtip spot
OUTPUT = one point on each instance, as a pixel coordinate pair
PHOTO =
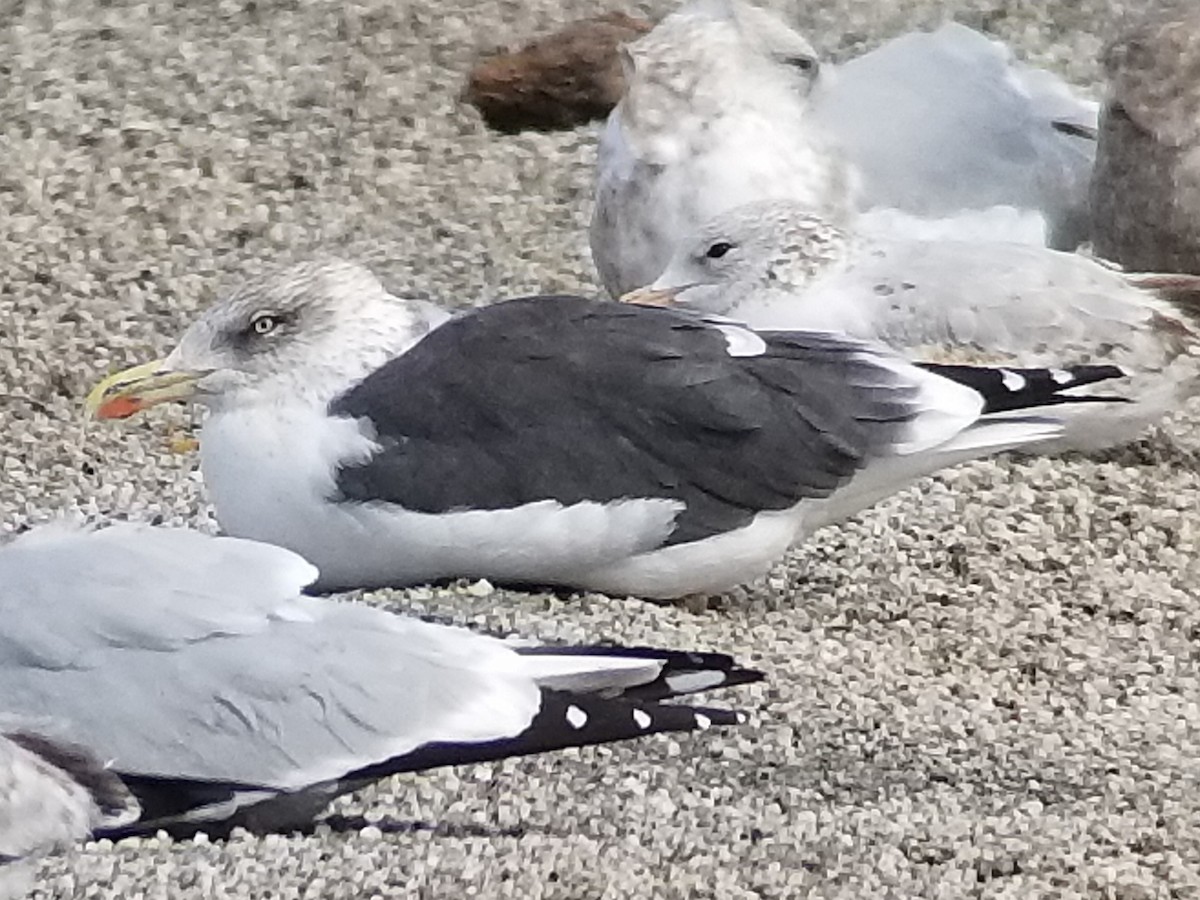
(741, 341)
(742, 718)
(691, 682)
(642, 718)
(1061, 376)
(703, 722)
(576, 717)
(1012, 380)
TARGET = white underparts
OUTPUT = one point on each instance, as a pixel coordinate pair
(270, 473)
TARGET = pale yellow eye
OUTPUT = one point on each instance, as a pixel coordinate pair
(263, 323)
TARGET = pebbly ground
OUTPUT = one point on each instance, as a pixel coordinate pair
(985, 687)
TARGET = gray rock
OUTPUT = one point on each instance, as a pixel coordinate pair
(1145, 192)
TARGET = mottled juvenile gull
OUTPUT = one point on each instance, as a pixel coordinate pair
(773, 264)
(547, 440)
(1146, 186)
(220, 695)
(725, 105)
(51, 794)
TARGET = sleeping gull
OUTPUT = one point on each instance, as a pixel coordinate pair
(773, 264)
(547, 440)
(223, 696)
(1146, 185)
(725, 104)
(51, 795)
(939, 122)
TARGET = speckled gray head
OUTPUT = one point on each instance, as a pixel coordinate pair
(704, 52)
(284, 334)
(715, 114)
(52, 793)
(768, 246)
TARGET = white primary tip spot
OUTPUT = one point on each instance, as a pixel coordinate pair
(576, 717)
(1061, 376)
(1012, 380)
(642, 718)
(690, 682)
(703, 722)
(742, 718)
(741, 341)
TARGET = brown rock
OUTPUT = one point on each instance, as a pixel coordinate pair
(558, 81)
(1145, 194)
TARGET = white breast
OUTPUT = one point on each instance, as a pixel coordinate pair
(271, 474)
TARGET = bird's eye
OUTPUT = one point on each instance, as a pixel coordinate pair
(801, 62)
(264, 323)
(719, 249)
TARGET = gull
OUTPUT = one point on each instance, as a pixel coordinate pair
(725, 104)
(219, 695)
(774, 264)
(937, 123)
(52, 794)
(551, 440)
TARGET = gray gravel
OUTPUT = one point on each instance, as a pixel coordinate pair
(986, 687)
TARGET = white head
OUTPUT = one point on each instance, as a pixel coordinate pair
(764, 247)
(303, 333)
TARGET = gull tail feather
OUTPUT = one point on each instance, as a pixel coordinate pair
(884, 477)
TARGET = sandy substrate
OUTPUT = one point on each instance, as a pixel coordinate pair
(987, 686)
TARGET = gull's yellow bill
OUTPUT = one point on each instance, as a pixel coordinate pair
(128, 392)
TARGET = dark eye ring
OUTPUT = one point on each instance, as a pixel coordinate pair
(264, 323)
(719, 249)
(803, 63)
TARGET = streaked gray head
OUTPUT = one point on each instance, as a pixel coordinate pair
(53, 793)
(711, 50)
(771, 245)
(307, 331)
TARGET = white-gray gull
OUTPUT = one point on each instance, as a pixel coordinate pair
(548, 440)
(773, 264)
(51, 794)
(218, 694)
(935, 123)
(725, 104)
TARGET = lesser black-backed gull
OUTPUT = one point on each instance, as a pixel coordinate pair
(550, 440)
(219, 695)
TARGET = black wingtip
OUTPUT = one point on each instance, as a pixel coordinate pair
(1008, 388)
(567, 720)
